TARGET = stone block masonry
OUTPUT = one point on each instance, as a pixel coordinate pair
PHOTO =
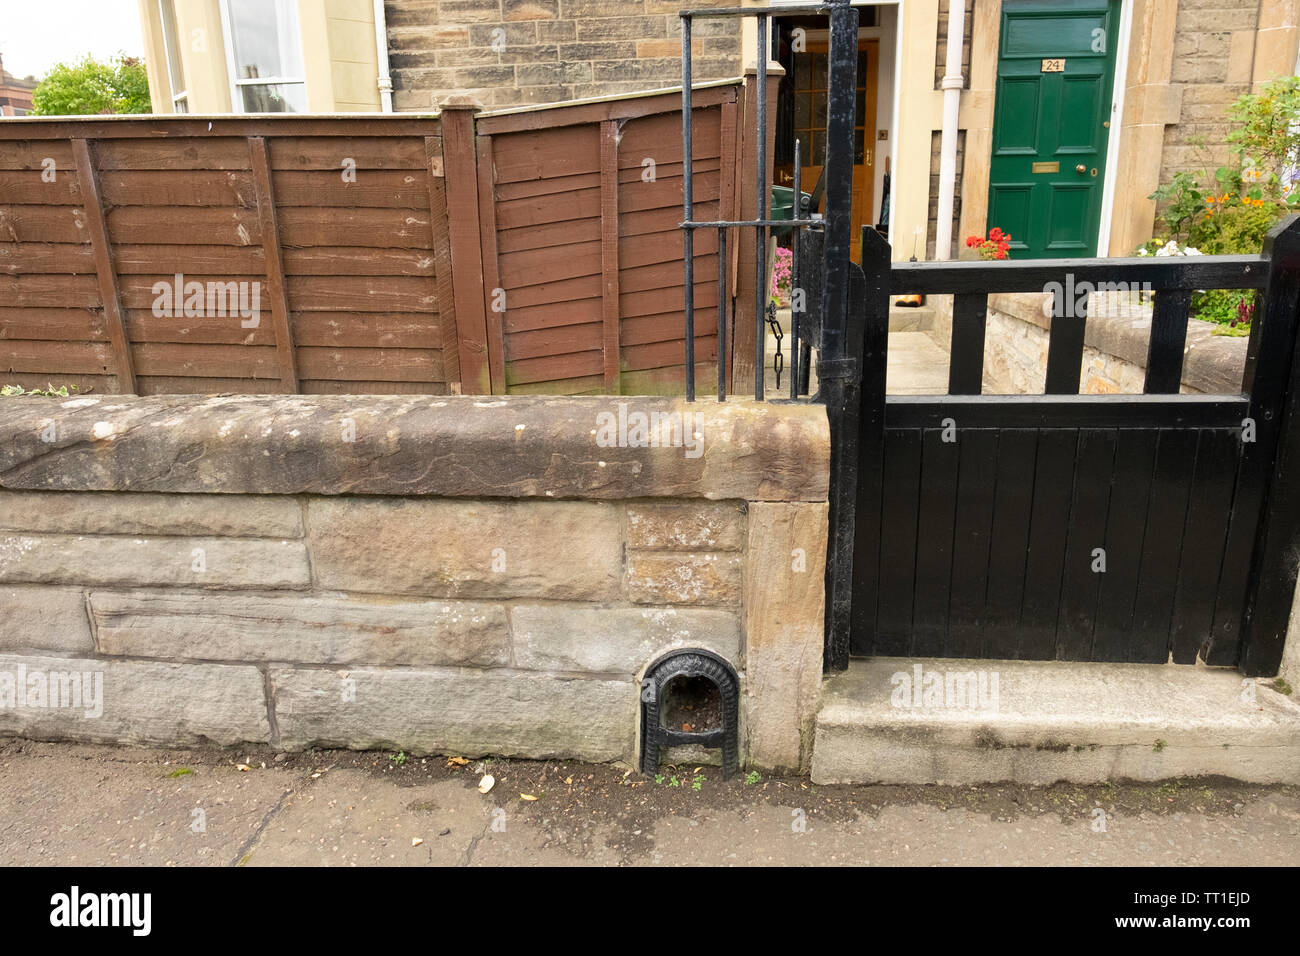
(508, 53)
(435, 575)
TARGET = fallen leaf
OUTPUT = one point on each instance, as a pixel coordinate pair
(487, 783)
(416, 841)
(457, 761)
(527, 796)
(686, 727)
(243, 767)
(568, 780)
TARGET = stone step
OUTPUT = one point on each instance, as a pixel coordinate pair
(919, 318)
(911, 318)
(1048, 721)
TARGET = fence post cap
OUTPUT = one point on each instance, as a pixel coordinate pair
(773, 68)
(460, 101)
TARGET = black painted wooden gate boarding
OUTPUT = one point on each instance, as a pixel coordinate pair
(1128, 528)
(1139, 528)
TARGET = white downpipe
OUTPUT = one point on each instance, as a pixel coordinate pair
(952, 86)
(381, 50)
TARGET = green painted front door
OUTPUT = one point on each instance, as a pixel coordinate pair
(1051, 123)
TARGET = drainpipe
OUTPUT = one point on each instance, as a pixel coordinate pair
(381, 49)
(951, 85)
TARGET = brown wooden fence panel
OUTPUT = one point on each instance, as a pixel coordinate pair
(52, 323)
(528, 251)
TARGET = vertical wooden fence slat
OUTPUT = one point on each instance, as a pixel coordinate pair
(609, 251)
(92, 202)
(275, 284)
(494, 295)
(966, 362)
(442, 261)
(460, 172)
(1167, 343)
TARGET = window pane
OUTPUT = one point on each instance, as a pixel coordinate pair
(802, 105)
(171, 46)
(862, 67)
(819, 110)
(859, 147)
(180, 105)
(860, 108)
(819, 71)
(275, 98)
(265, 36)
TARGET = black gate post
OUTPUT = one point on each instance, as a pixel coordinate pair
(870, 313)
(1275, 406)
(838, 368)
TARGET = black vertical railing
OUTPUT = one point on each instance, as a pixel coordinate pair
(839, 349)
(841, 87)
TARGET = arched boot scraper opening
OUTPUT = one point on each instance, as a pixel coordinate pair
(684, 668)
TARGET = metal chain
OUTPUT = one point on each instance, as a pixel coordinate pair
(778, 360)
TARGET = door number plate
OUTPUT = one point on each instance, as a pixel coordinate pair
(1053, 66)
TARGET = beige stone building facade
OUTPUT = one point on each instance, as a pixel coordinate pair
(260, 56)
(516, 52)
(1158, 85)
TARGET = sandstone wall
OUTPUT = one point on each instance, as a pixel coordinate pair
(450, 575)
(1115, 346)
(515, 52)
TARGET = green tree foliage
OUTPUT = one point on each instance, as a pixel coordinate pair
(88, 87)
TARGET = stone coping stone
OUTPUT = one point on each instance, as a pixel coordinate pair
(1212, 364)
(452, 446)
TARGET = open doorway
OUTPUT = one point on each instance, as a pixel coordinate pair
(800, 45)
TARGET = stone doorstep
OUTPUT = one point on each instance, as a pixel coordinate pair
(1056, 721)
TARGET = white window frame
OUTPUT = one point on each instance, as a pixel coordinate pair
(236, 84)
(183, 96)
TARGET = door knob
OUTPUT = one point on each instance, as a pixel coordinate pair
(1081, 168)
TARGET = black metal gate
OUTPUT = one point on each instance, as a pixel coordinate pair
(1139, 528)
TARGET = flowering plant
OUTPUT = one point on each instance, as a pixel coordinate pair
(782, 275)
(996, 246)
(1170, 248)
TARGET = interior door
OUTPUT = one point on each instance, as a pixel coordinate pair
(1051, 124)
(810, 127)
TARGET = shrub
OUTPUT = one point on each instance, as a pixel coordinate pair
(1234, 212)
(89, 87)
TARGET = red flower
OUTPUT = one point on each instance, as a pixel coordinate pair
(996, 234)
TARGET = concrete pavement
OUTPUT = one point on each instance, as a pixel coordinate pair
(65, 804)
